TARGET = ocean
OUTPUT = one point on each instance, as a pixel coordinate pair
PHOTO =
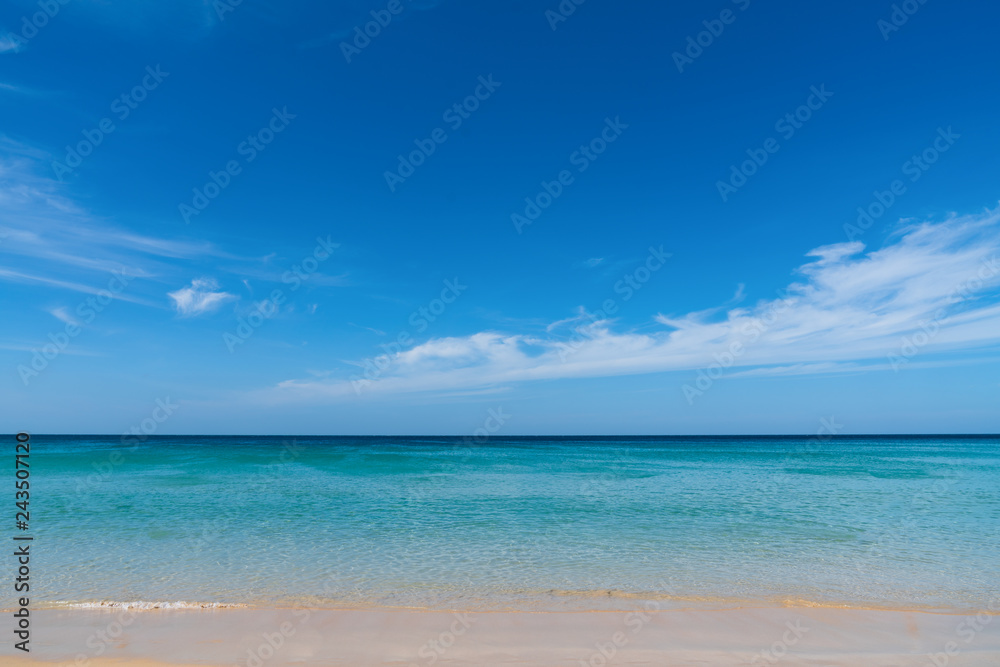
(532, 523)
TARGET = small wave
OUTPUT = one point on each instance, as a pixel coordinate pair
(142, 605)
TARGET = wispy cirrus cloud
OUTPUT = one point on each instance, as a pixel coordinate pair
(45, 231)
(347, 18)
(28, 278)
(24, 91)
(63, 315)
(8, 45)
(849, 306)
(51, 248)
(200, 297)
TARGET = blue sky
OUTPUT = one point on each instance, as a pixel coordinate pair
(639, 219)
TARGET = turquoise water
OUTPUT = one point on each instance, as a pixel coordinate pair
(524, 523)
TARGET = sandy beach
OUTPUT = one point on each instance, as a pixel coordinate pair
(818, 637)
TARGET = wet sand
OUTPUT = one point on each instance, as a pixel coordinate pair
(818, 637)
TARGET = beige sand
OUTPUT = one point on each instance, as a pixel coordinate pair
(360, 638)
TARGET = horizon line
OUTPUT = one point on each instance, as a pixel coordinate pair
(822, 436)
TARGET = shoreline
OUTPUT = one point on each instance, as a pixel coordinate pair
(628, 602)
(406, 637)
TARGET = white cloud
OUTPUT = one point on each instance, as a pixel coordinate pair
(849, 306)
(62, 314)
(199, 298)
(8, 45)
(46, 230)
(581, 316)
(20, 277)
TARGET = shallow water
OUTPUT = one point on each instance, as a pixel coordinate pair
(517, 523)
